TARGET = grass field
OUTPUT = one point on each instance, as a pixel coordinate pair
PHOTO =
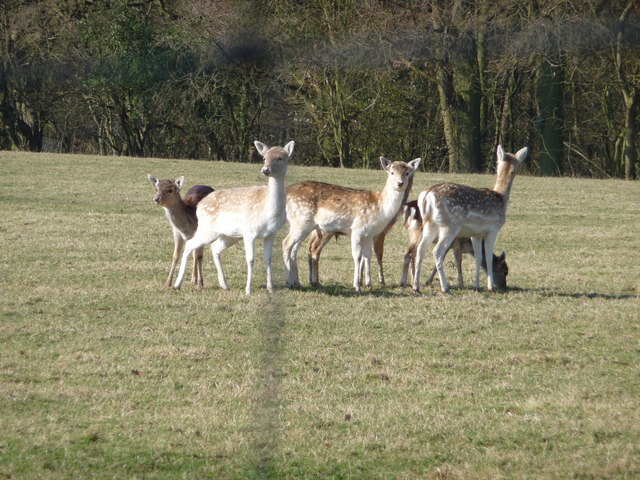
(106, 374)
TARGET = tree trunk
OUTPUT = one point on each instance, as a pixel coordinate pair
(445, 89)
(460, 104)
(630, 132)
(460, 99)
(550, 122)
(630, 95)
(468, 101)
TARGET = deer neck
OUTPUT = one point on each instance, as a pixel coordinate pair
(504, 181)
(390, 200)
(275, 197)
(180, 215)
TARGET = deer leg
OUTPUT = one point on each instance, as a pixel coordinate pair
(457, 253)
(432, 275)
(196, 262)
(287, 246)
(428, 235)
(489, 242)
(477, 254)
(192, 244)
(446, 237)
(319, 240)
(178, 243)
(196, 279)
(408, 262)
(268, 249)
(312, 256)
(217, 247)
(356, 253)
(366, 261)
(249, 244)
(378, 248)
(290, 245)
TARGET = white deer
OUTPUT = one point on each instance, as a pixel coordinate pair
(181, 213)
(243, 213)
(331, 209)
(450, 211)
(412, 224)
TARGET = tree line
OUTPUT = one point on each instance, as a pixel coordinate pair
(349, 80)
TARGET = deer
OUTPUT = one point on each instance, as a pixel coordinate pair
(317, 242)
(243, 213)
(333, 209)
(451, 210)
(181, 213)
(412, 225)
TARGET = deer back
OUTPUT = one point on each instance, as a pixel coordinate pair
(341, 209)
(475, 209)
(195, 194)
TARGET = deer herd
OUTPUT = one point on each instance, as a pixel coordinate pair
(449, 215)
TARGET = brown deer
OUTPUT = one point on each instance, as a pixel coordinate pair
(412, 224)
(317, 242)
(450, 211)
(181, 213)
(332, 209)
(243, 213)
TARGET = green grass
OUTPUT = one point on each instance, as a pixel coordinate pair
(106, 374)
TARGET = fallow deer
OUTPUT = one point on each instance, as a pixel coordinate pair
(332, 209)
(243, 213)
(317, 242)
(412, 224)
(181, 213)
(450, 211)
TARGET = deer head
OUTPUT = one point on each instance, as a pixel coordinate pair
(166, 190)
(275, 158)
(399, 173)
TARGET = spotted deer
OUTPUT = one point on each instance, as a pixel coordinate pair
(181, 213)
(317, 242)
(412, 225)
(332, 209)
(244, 213)
(450, 211)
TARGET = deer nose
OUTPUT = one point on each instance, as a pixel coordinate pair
(156, 199)
(400, 184)
(266, 171)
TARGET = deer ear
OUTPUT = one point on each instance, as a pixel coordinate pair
(500, 153)
(415, 163)
(385, 163)
(261, 147)
(522, 154)
(152, 180)
(180, 182)
(289, 147)
(502, 256)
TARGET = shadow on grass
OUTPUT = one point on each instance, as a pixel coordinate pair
(545, 292)
(347, 291)
(388, 291)
(395, 291)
